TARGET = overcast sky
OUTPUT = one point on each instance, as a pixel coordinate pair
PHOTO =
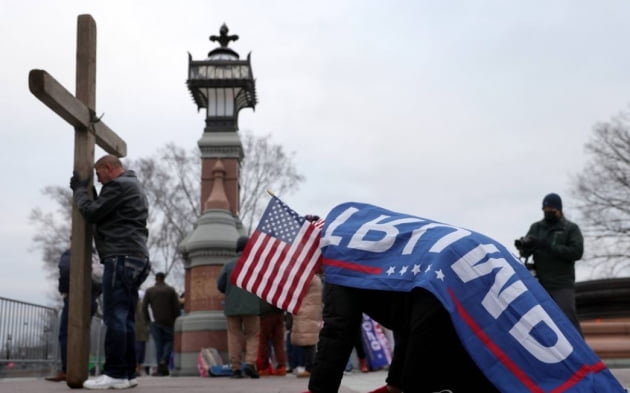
(466, 112)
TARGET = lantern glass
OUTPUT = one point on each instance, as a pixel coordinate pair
(220, 101)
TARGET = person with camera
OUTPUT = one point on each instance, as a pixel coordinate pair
(555, 244)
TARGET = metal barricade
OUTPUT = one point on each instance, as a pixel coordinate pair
(28, 339)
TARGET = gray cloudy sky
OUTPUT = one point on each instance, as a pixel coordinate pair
(466, 112)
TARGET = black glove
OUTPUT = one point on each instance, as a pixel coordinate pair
(76, 182)
(543, 244)
(539, 244)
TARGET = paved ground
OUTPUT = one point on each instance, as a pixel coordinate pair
(352, 383)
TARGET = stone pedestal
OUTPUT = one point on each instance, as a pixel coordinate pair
(210, 246)
(193, 331)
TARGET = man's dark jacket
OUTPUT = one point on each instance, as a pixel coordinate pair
(555, 261)
(120, 216)
(164, 304)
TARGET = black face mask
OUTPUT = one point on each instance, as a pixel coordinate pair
(551, 217)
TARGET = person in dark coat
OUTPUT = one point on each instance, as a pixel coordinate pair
(64, 290)
(242, 313)
(427, 350)
(556, 244)
(165, 308)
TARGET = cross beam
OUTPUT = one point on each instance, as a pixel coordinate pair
(75, 112)
(79, 111)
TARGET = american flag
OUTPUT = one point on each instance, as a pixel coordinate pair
(280, 258)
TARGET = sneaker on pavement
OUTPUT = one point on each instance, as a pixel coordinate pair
(363, 366)
(382, 389)
(280, 372)
(106, 382)
(133, 382)
(60, 376)
(236, 374)
(250, 371)
(303, 374)
(265, 372)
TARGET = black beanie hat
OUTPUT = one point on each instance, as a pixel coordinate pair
(552, 200)
(241, 243)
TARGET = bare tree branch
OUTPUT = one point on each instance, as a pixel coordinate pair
(603, 193)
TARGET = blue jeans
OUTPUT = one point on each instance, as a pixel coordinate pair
(63, 334)
(121, 279)
(63, 331)
(163, 337)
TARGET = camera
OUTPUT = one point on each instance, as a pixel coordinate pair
(524, 242)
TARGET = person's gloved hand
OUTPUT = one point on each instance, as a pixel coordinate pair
(76, 181)
(543, 244)
(539, 244)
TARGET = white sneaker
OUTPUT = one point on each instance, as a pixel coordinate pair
(133, 382)
(106, 382)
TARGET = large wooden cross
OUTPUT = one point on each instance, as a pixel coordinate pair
(79, 111)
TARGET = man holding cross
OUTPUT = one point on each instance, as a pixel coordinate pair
(119, 215)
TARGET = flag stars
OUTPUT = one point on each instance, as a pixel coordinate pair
(404, 270)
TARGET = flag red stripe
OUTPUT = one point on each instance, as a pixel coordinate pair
(296, 252)
(352, 266)
(279, 276)
(244, 270)
(302, 273)
(240, 273)
(266, 264)
(494, 348)
(579, 375)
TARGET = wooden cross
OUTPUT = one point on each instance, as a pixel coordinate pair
(79, 112)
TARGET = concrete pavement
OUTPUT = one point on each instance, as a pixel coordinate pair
(355, 382)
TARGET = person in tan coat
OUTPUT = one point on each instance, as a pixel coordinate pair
(307, 323)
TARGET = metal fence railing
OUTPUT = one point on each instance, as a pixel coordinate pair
(29, 341)
(28, 338)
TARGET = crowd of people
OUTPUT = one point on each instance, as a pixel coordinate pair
(263, 340)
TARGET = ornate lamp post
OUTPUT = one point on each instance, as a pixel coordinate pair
(222, 84)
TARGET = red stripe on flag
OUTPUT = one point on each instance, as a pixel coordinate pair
(303, 279)
(243, 274)
(240, 272)
(579, 375)
(286, 284)
(272, 250)
(300, 274)
(352, 266)
(295, 250)
(502, 356)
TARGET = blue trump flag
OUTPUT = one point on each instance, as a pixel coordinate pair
(513, 330)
